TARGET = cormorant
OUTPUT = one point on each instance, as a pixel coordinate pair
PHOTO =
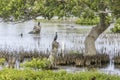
(21, 34)
(55, 38)
(38, 23)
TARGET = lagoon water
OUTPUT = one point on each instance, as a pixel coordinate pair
(70, 37)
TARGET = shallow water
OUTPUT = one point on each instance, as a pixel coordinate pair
(70, 37)
(10, 36)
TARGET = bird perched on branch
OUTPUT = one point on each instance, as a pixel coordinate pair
(55, 44)
(38, 23)
(56, 36)
(21, 34)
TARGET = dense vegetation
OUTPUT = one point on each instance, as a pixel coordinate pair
(13, 74)
(88, 21)
(35, 69)
(36, 64)
(116, 28)
(22, 10)
(2, 60)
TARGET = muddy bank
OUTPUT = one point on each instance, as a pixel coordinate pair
(117, 61)
(22, 55)
(99, 60)
(78, 60)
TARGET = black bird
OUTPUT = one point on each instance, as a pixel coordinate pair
(38, 23)
(55, 38)
(21, 34)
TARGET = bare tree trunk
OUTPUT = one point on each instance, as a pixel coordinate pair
(91, 38)
(55, 46)
(90, 49)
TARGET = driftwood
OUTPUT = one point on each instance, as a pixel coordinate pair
(11, 61)
(53, 53)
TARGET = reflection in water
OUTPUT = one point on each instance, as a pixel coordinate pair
(36, 39)
(70, 38)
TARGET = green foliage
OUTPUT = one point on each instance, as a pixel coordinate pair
(15, 10)
(116, 28)
(118, 21)
(36, 63)
(2, 60)
(115, 4)
(73, 52)
(13, 74)
(88, 21)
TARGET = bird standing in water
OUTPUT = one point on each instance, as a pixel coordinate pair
(36, 29)
(38, 23)
(56, 36)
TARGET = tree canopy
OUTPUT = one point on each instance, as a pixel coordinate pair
(22, 10)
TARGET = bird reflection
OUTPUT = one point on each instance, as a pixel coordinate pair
(37, 40)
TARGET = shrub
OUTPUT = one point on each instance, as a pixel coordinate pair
(36, 63)
(28, 74)
(116, 28)
(2, 60)
(88, 21)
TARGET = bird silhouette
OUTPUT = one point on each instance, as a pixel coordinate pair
(56, 36)
(38, 23)
(21, 34)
